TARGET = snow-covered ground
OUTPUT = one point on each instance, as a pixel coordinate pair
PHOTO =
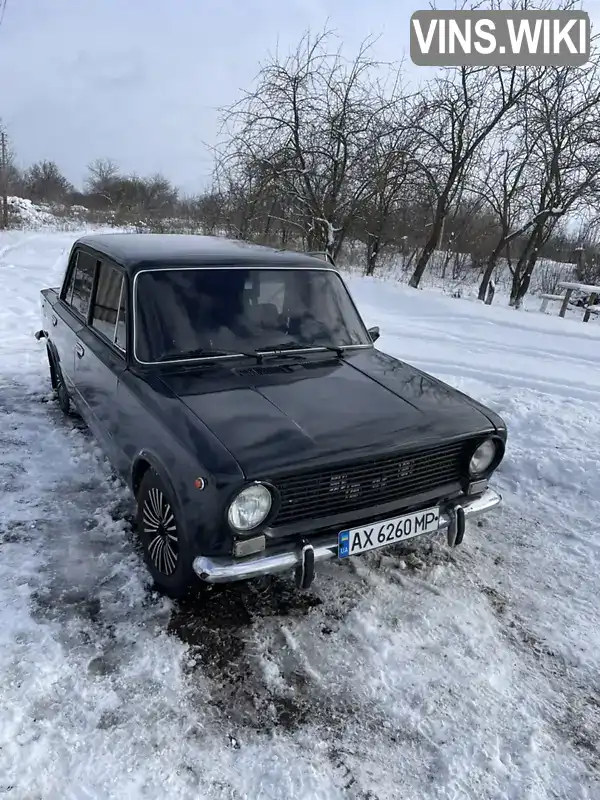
(418, 674)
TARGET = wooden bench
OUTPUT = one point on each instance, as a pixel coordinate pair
(584, 288)
(546, 298)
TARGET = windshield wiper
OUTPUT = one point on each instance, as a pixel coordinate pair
(199, 352)
(332, 348)
(287, 348)
(291, 346)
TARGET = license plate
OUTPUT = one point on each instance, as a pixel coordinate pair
(389, 531)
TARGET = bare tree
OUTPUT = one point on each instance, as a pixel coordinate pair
(453, 118)
(102, 178)
(503, 183)
(247, 186)
(564, 168)
(6, 165)
(391, 167)
(157, 196)
(205, 211)
(310, 125)
(45, 181)
(131, 197)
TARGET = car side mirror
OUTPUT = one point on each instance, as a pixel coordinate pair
(374, 333)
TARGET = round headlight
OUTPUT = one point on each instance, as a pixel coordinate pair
(482, 458)
(250, 507)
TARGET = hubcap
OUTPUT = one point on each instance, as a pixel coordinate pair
(161, 530)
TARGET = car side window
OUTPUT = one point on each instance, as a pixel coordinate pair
(79, 290)
(121, 332)
(109, 312)
(68, 290)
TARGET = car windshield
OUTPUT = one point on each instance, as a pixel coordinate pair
(187, 313)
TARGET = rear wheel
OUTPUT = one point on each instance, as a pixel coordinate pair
(59, 385)
(167, 551)
(53, 380)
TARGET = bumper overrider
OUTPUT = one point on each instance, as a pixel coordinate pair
(302, 556)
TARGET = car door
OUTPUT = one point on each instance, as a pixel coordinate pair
(100, 356)
(68, 317)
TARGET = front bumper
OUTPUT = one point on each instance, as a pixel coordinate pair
(224, 569)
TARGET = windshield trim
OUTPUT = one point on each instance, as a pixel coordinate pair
(275, 267)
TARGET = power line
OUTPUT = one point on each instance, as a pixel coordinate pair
(2, 10)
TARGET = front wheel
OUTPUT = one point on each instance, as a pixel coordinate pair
(167, 550)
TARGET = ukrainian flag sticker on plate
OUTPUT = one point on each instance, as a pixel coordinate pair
(343, 544)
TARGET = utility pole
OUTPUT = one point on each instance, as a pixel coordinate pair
(4, 178)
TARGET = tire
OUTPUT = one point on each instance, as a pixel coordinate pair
(167, 550)
(59, 386)
(53, 378)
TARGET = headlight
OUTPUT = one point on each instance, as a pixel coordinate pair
(250, 507)
(482, 458)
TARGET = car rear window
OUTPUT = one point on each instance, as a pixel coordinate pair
(108, 315)
(79, 290)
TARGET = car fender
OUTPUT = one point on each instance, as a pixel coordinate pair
(158, 466)
(200, 524)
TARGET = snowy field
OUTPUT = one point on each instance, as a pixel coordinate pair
(418, 674)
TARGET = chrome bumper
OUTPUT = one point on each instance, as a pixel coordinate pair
(224, 569)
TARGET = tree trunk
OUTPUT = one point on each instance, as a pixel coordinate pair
(491, 291)
(525, 267)
(488, 272)
(426, 253)
(267, 231)
(372, 254)
(437, 231)
(312, 239)
(447, 259)
(336, 245)
(4, 178)
(516, 282)
(526, 278)
(518, 273)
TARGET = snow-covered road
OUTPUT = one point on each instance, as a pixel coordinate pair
(422, 674)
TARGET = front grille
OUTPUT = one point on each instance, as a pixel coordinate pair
(355, 486)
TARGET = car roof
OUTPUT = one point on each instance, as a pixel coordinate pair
(136, 251)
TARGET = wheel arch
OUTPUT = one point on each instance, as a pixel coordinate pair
(53, 368)
(52, 354)
(144, 461)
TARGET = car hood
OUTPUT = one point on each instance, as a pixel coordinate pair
(288, 414)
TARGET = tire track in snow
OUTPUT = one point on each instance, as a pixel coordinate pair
(505, 379)
(22, 242)
(491, 347)
(577, 703)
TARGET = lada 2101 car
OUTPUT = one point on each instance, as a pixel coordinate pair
(238, 392)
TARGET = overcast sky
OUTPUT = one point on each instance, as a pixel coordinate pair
(140, 81)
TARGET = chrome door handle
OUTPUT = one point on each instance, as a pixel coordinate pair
(54, 320)
(79, 350)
